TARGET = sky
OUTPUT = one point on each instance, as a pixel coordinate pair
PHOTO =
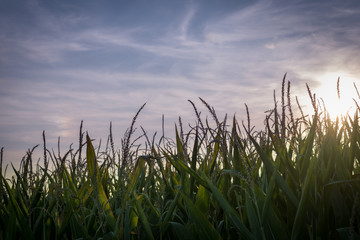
(99, 61)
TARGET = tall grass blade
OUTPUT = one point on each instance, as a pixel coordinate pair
(143, 217)
(94, 173)
(272, 170)
(229, 211)
(202, 225)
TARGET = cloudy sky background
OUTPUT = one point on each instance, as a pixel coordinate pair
(98, 61)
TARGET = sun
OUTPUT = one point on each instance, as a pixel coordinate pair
(340, 103)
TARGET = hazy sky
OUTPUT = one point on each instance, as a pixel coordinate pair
(98, 61)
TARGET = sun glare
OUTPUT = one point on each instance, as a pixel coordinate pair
(328, 92)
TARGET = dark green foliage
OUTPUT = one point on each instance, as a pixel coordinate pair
(298, 179)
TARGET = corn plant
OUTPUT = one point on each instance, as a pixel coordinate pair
(299, 178)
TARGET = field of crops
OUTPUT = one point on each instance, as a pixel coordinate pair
(297, 179)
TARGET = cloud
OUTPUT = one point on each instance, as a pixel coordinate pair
(270, 46)
(186, 23)
(72, 65)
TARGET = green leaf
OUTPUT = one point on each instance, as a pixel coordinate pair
(254, 222)
(194, 161)
(299, 221)
(347, 233)
(180, 232)
(271, 168)
(205, 229)
(180, 165)
(26, 231)
(229, 211)
(96, 178)
(203, 199)
(143, 217)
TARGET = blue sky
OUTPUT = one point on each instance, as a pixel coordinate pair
(98, 61)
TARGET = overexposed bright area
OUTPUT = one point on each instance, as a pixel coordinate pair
(337, 103)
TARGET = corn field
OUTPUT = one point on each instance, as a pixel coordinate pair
(297, 179)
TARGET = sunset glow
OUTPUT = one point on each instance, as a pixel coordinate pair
(327, 91)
